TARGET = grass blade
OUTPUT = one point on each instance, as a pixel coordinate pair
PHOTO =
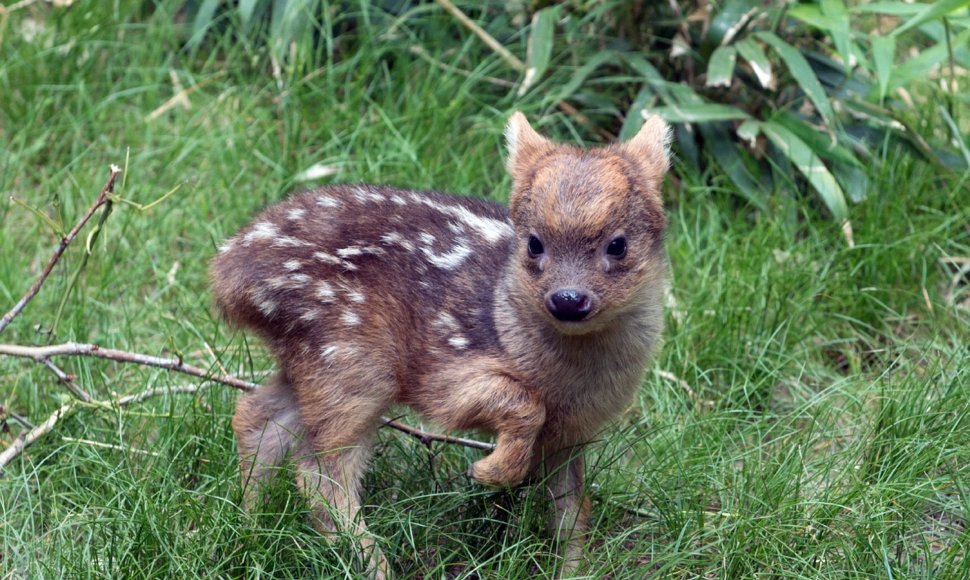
(810, 165)
(803, 75)
(203, 20)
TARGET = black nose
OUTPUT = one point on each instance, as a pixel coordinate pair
(569, 305)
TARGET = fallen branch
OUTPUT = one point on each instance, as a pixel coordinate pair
(59, 251)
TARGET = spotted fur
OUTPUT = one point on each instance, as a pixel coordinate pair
(372, 296)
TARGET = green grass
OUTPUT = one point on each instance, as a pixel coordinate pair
(828, 431)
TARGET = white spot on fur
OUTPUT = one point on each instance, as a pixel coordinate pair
(363, 195)
(327, 201)
(310, 315)
(458, 341)
(296, 213)
(325, 291)
(267, 307)
(448, 260)
(350, 318)
(292, 265)
(426, 238)
(326, 258)
(260, 231)
(446, 321)
(328, 351)
(350, 252)
(299, 279)
(356, 296)
(288, 242)
(395, 238)
(398, 199)
(491, 229)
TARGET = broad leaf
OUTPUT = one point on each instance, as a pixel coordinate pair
(751, 52)
(835, 11)
(932, 12)
(883, 54)
(803, 75)
(724, 150)
(539, 48)
(918, 66)
(810, 165)
(699, 113)
(720, 68)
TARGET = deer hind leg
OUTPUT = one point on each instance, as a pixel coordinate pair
(268, 427)
(341, 412)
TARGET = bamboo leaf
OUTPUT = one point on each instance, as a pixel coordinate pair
(720, 68)
(932, 12)
(581, 74)
(810, 165)
(724, 151)
(883, 54)
(756, 57)
(699, 113)
(803, 75)
(836, 12)
(539, 49)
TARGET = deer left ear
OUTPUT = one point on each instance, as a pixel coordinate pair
(651, 145)
(523, 142)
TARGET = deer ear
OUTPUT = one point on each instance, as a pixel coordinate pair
(523, 142)
(651, 145)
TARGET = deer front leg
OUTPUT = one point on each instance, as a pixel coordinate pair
(569, 519)
(481, 398)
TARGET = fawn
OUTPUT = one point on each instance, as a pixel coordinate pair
(534, 323)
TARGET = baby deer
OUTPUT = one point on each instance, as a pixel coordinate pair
(534, 323)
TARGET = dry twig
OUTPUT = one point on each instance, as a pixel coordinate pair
(61, 247)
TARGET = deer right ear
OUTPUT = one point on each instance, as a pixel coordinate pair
(525, 145)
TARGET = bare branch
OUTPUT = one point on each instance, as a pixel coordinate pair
(61, 247)
(427, 438)
(41, 353)
(27, 438)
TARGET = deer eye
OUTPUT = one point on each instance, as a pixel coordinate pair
(617, 247)
(535, 247)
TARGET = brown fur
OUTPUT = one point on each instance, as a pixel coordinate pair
(373, 296)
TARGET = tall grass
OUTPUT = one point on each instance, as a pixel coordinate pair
(824, 433)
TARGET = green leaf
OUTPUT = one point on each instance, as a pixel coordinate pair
(729, 19)
(919, 66)
(854, 180)
(932, 12)
(749, 131)
(803, 75)
(890, 8)
(246, 8)
(751, 52)
(699, 113)
(203, 20)
(634, 120)
(724, 150)
(812, 15)
(581, 74)
(835, 11)
(539, 48)
(720, 68)
(819, 141)
(810, 165)
(883, 54)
